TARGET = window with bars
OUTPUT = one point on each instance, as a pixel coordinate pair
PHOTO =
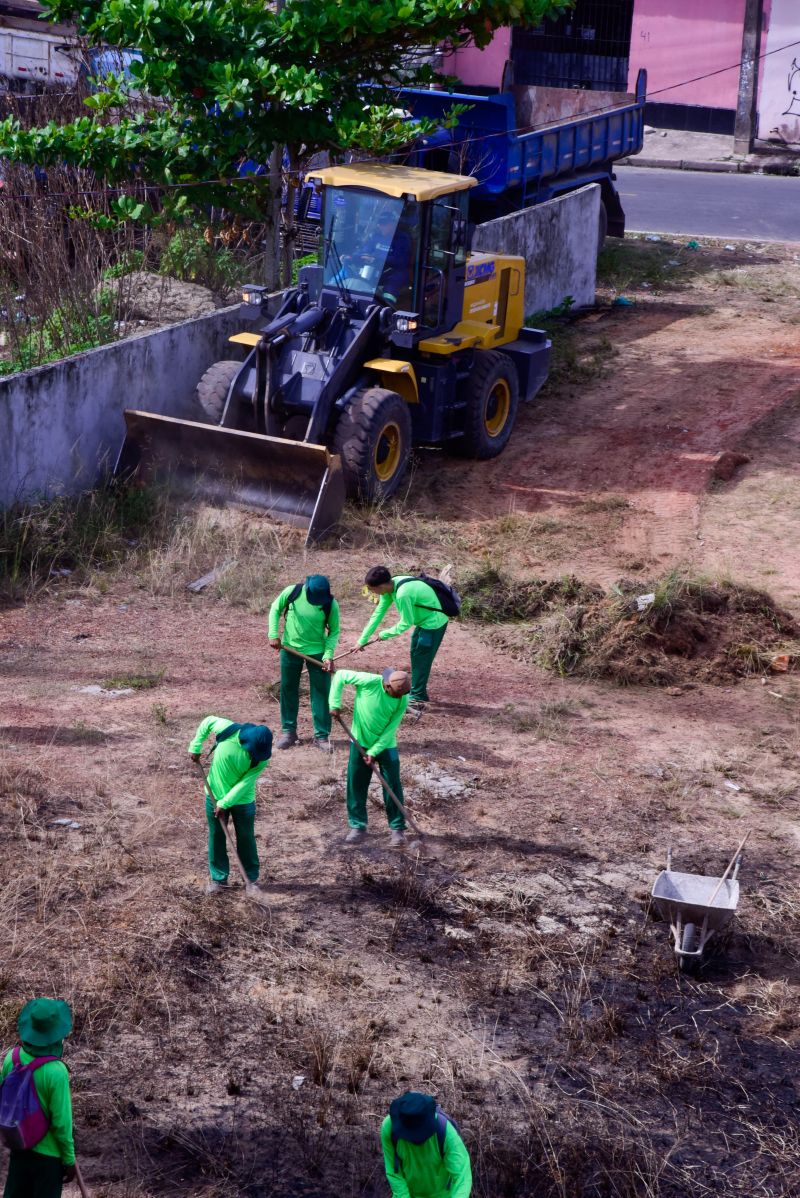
(587, 47)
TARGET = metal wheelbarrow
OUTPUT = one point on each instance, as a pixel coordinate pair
(696, 907)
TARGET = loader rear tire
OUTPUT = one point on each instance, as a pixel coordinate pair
(373, 438)
(492, 402)
(212, 390)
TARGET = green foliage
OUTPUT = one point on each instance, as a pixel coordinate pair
(69, 329)
(193, 259)
(131, 261)
(39, 539)
(135, 682)
(220, 83)
(305, 260)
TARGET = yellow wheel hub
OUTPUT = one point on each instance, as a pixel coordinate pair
(387, 452)
(498, 406)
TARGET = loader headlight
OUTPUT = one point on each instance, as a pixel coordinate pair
(253, 294)
(406, 322)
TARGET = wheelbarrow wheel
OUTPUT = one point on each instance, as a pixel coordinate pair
(689, 944)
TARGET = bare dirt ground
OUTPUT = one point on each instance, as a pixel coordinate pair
(512, 968)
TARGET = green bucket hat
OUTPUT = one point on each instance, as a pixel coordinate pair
(318, 590)
(44, 1021)
(413, 1117)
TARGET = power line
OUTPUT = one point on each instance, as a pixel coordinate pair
(483, 137)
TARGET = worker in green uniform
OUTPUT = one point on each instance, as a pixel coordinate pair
(39, 1172)
(380, 704)
(423, 1152)
(241, 754)
(419, 607)
(311, 626)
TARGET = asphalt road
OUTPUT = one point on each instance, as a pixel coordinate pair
(699, 203)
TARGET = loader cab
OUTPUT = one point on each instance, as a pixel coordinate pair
(397, 236)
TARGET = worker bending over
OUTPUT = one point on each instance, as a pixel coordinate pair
(423, 1152)
(380, 704)
(420, 609)
(240, 754)
(42, 1153)
(311, 626)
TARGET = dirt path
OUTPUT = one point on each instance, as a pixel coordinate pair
(512, 969)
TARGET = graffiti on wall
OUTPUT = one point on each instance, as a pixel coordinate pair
(779, 91)
(794, 88)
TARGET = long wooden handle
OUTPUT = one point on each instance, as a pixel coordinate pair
(731, 864)
(229, 835)
(411, 823)
(80, 1181)
(356, 648)
(313, 661)
(320, 664)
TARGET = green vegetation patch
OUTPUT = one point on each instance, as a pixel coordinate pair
(672, 631)
(494, 598)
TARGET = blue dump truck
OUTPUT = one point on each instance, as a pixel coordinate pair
(528, 144)
(524, 145)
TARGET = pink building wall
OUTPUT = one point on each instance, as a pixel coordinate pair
(677, 40)
(483, 68)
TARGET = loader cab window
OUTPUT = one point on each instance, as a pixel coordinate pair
(370, 244)
(447, 249)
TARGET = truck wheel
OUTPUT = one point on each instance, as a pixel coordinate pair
(212, 390)
(373, 438)
(492, 402)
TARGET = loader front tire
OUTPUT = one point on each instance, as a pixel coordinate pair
(373, 438)
(212, 390)
(492, 402)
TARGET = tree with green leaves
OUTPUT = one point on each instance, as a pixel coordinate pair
(223, 82)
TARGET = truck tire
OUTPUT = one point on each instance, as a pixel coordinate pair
(373, 438)
(212, 390)
(492, 402)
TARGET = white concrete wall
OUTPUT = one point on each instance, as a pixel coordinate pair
(779, 91)
(61, 424)
(558, 240)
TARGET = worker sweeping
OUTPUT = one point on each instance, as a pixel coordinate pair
(422, 607)
(241, 754)
(423, 1152)
(36, 1105)
(311, 627)
(380, 704)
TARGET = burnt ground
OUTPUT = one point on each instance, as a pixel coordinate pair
(513, 967)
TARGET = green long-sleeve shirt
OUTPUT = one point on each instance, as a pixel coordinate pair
(306, 627)
(417, 603)
(424, 1172)
(376, 715)
(52, 1086)
(232, 778)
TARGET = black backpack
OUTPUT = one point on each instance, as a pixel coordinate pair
(449, 598)
(297, 591)
(442, 1121)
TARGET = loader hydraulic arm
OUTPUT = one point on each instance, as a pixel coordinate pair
(345, 374)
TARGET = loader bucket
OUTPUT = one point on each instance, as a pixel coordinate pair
(292, 480)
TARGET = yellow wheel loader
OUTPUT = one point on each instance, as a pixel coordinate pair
(397, 337)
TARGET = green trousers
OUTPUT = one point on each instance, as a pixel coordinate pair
(33, 1175)
(425, 644)
(319, 682)
(243, 817)
(359, 776)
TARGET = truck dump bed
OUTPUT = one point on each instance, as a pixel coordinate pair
(531, 137)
